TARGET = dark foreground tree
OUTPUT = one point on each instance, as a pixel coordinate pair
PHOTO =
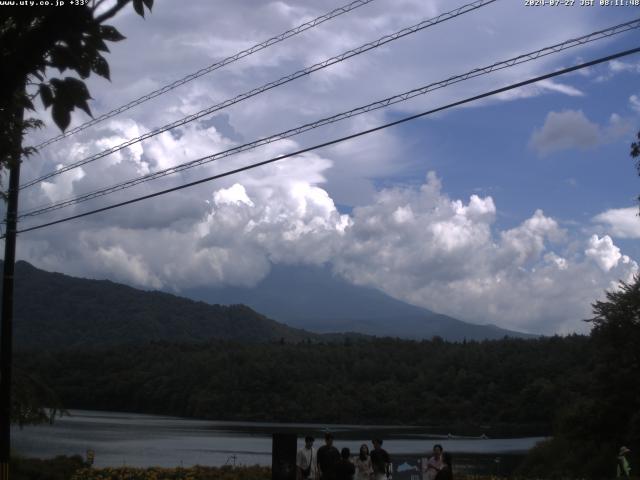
(36, 44)
(606, 414)
(35, 41)
(33, 401)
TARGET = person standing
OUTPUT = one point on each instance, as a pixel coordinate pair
(380, 461)
(446, 472)
(345, 470)
(623, 469)
(435, 464)
(364, 468)
(328, 457)
(306, 461)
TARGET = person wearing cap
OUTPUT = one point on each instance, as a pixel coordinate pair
(624, 469)
(328, 457)
(306, 461)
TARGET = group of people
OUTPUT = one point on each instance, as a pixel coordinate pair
(327, 463)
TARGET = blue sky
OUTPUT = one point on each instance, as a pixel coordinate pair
(517, 210)
(495, 157)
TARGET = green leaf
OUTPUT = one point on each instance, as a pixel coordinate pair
(61, 115)
(100, 66)
(148, 3)
(78, 93)
(46, 95)
(83, 68)
(62, 57)
(111, 34)
(97, 43)
(69, 93)
(138, 6)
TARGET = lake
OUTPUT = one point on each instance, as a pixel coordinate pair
(148, 440)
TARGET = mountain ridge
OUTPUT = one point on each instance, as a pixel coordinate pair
(53, 310)
(293, 304)
(315, 299)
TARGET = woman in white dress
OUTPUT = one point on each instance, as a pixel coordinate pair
(364, 468)
(434, 465)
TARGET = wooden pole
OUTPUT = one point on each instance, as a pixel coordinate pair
(6, 322)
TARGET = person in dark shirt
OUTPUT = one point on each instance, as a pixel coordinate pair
(345, 470)
(327, 457)
(380, 461)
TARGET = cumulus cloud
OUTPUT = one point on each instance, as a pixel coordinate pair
(603, 252)
(450, 259)
(620, 222)
(415, 243)
(572, 129)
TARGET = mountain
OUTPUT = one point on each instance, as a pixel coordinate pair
(53, 310)
(315, 299)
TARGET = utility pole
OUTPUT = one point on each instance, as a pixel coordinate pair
(6, 323)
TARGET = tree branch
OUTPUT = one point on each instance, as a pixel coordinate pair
(97, 4)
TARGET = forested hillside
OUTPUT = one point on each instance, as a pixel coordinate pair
(54, 311)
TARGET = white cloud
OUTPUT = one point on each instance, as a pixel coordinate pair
(603, 252)
(563, 130)
(620, 222)
(448, 259)
(572, 129)
(561, 88)
(415, 243)
(634, 102)
(618, 66)
(233, 195)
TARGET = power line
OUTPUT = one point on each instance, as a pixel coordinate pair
(338, 140)
(268, 86)
(233, 58)
(339, 117)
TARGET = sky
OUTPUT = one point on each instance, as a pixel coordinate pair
(517, 210)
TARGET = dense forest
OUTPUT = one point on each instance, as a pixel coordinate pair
(511, 382)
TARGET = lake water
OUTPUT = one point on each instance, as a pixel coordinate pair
(147, 440)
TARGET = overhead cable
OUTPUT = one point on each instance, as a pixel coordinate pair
(335, 141)
(226, 61)
(338, 117)
(268, 86)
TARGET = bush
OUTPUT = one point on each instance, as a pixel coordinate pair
(156, 473)
(59, 468)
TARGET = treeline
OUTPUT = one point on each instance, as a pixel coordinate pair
(458, 386)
